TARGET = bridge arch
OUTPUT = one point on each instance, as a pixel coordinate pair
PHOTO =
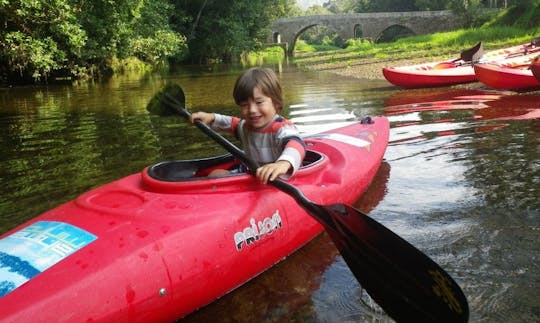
(372, 25)
(401, 31)
(303, 30)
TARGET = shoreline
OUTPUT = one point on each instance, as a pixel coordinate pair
(366, 68)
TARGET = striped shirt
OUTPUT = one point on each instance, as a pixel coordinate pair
(279, 140)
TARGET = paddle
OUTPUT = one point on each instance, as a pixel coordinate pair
(406, 283)
(468, 56)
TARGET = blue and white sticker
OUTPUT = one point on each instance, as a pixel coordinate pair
(30, 251)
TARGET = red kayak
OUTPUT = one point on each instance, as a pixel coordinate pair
(510, 74)
(157, 245)
(450, 72)
(535, 68)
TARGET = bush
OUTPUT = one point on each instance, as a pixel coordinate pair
(158, 48)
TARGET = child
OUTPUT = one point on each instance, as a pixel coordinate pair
(267, 138)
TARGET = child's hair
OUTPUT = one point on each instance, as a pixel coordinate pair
(263, 78)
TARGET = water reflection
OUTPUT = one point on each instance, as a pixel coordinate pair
(461, 179)
(478, 153)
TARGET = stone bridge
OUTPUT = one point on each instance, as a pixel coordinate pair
(285, 31)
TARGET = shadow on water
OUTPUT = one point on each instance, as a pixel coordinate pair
(460, 180)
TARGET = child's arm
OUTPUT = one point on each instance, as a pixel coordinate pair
(216, 121)
(287, 164)
(206, 118)
(271, 171)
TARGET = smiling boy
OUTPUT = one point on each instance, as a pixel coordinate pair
(267, 137)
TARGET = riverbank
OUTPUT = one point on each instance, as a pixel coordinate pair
(346, 64)
(367, 68)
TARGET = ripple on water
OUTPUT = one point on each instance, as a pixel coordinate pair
(340, 298)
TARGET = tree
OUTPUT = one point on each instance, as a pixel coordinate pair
(45, 37)
(349, 6)
(226, 29)
(38, 37)
(431, 4)
(469, 10)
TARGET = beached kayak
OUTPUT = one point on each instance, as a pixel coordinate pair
(535, 68)
(450, 72)
(157, 245)
(510, 74)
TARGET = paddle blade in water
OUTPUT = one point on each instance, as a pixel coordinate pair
(405, 282)
(163, 103)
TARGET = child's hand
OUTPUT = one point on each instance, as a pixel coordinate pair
(271, 171)
(205, 118)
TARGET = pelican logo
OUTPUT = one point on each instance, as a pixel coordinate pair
(257, 231)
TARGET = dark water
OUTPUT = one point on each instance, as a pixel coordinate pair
(460, 180)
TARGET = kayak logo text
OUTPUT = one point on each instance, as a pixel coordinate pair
(257, 231)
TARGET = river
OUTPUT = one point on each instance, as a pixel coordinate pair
(460, 179)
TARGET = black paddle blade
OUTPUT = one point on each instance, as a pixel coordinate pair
(168, 101)
(405, 282)
(472, 54)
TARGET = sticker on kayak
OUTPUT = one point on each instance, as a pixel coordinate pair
(30, 251)
(343, 138)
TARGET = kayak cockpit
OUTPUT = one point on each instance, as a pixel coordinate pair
(188, 170)
(182, 170)
(191, 175)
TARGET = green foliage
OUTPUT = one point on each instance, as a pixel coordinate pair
(302, 46)
(351, 6)
(225, 29)
(439, 44)
(524, 15)
(39, 56)
(322, 35)
(469, 10)
(273, 54)
(157, 48)
(46, 37)
(431, 4)
(39, 37)
(358, 44)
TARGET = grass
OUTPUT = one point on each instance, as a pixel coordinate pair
(433, 45)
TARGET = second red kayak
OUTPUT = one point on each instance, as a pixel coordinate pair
(511, 74)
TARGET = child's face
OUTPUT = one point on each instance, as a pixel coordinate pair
(259, 110)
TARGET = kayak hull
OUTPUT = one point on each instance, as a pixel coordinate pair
(147, 248)
(535, 69)
(425, 75)
(506, 78)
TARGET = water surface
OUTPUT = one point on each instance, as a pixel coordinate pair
(460, 179)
